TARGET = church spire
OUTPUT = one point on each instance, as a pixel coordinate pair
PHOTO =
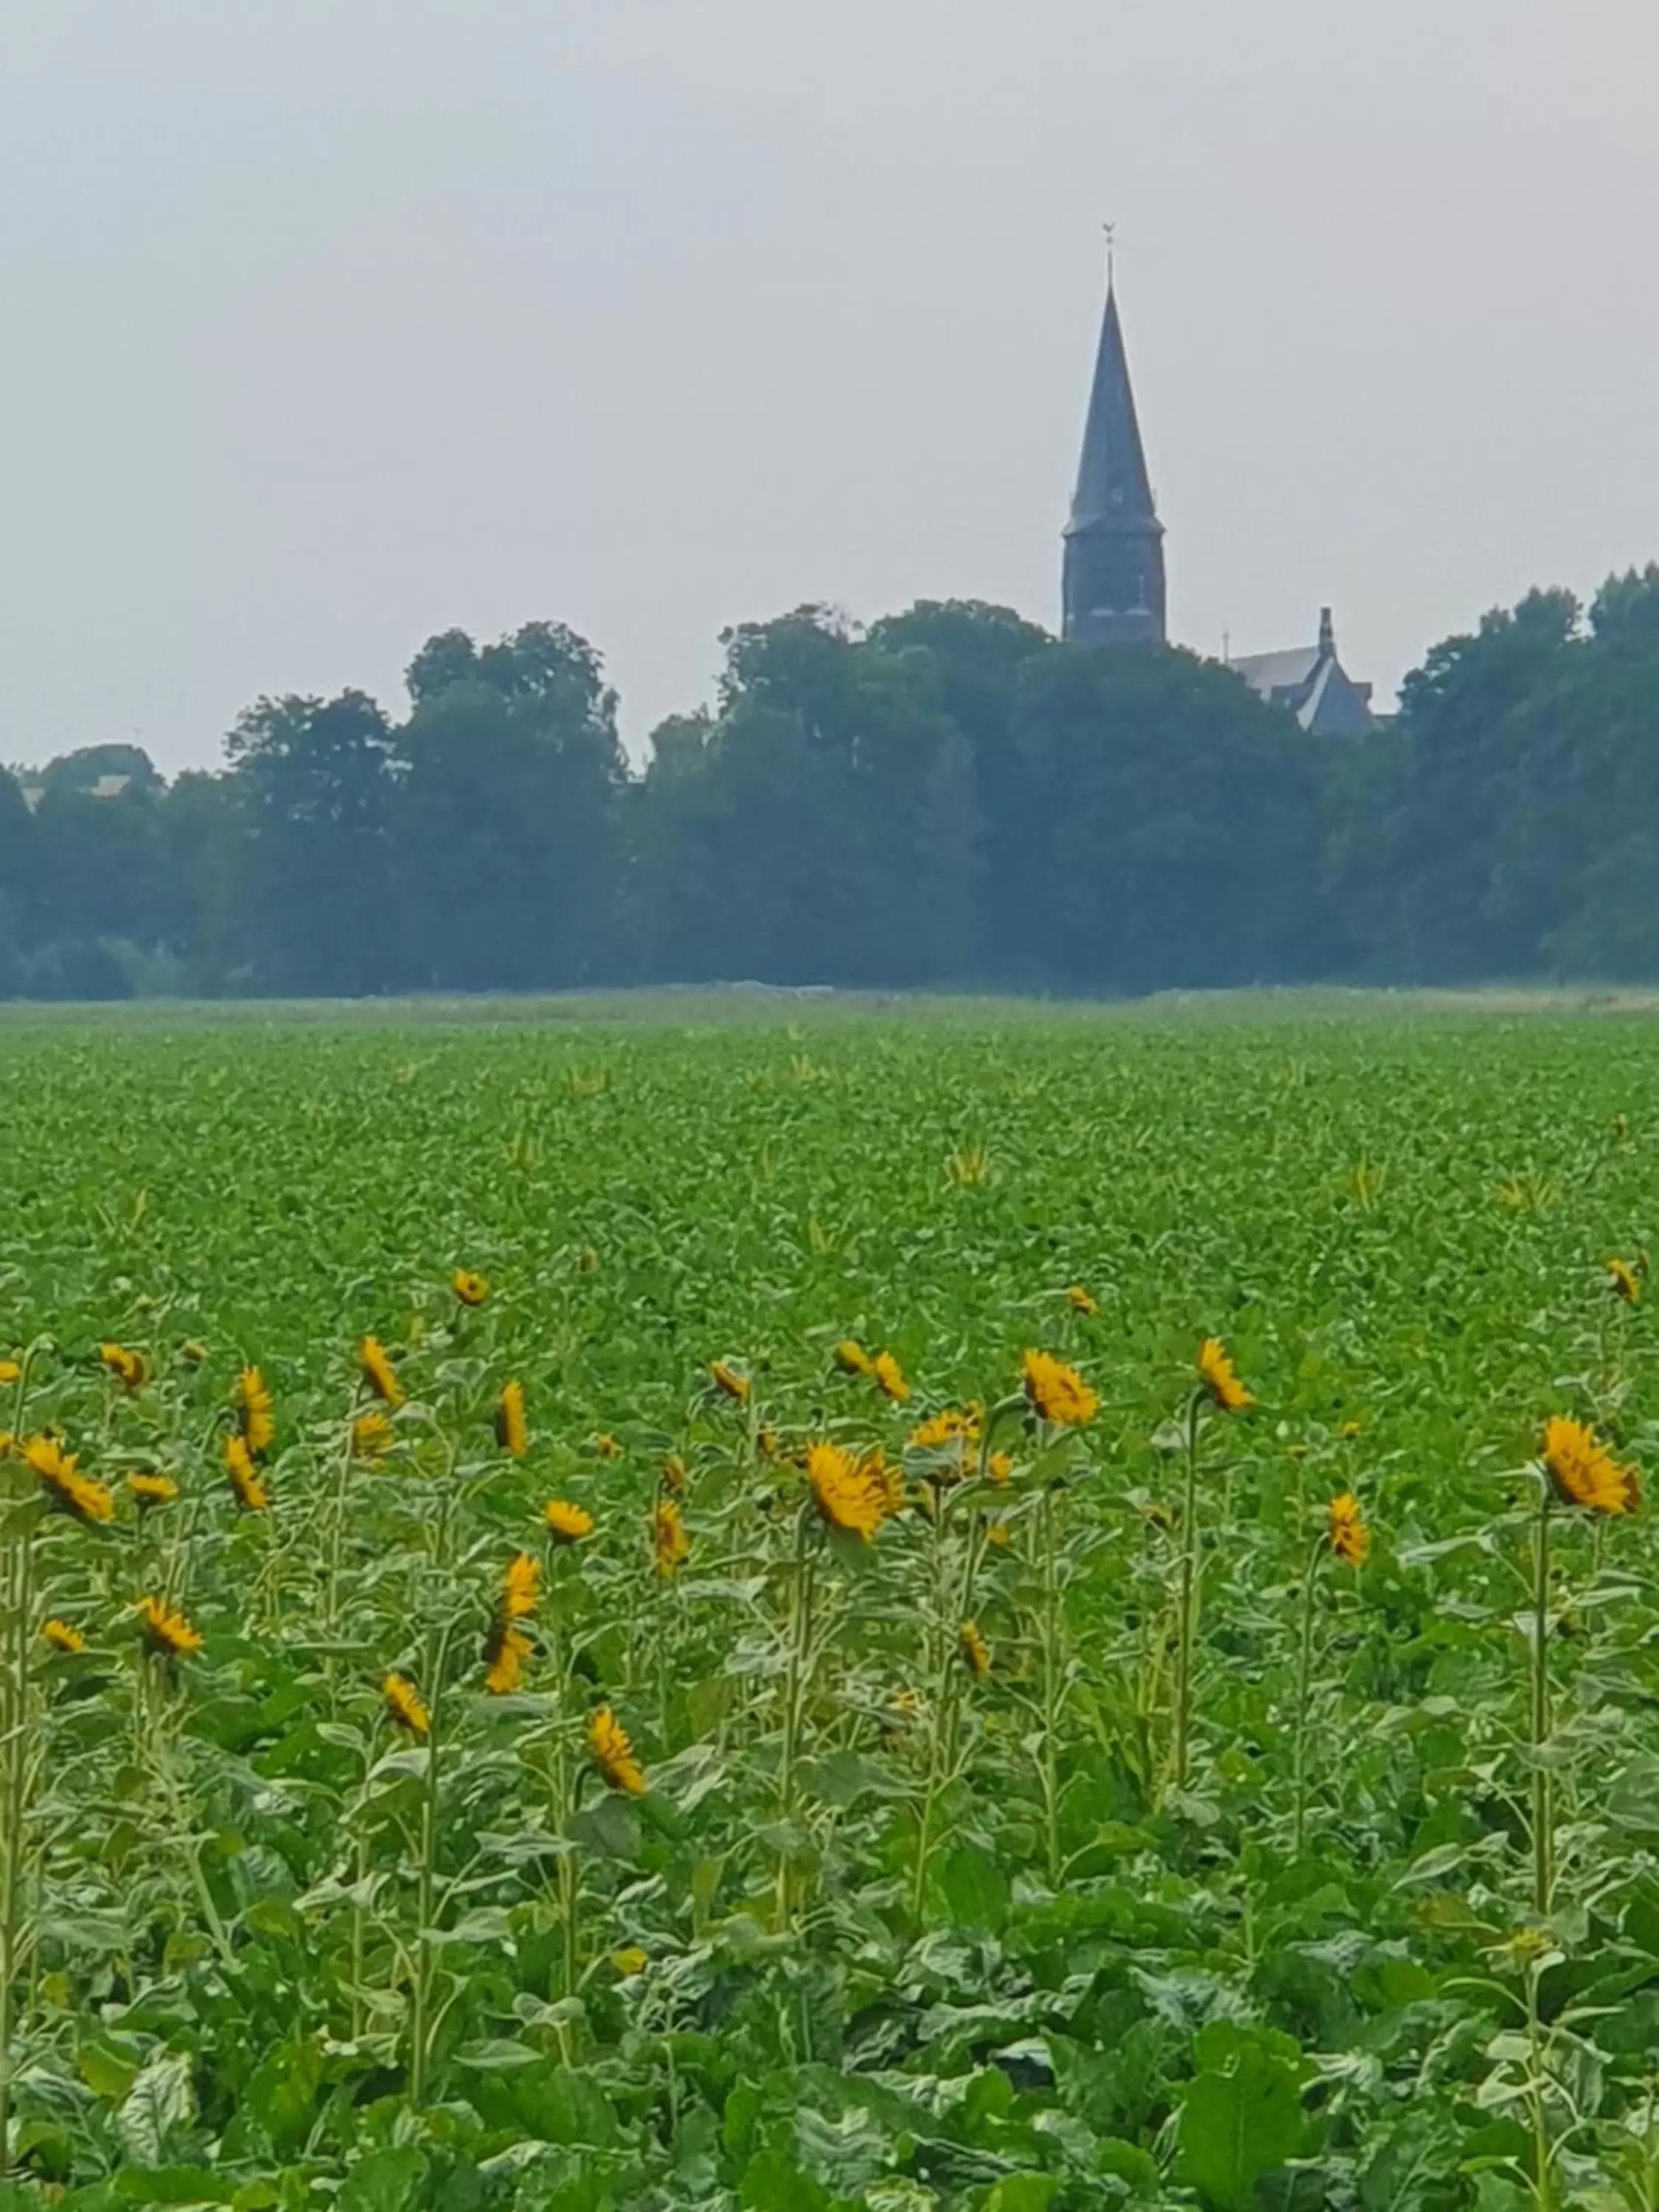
(1114, 573)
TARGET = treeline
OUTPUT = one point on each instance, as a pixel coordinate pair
(950, 797)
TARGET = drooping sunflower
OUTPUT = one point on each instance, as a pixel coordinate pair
(613, 1753)
(521, 1586)
(250, 1494)
(379, 1372)
(1058, 1392)
(1351, 1538)
(673, 1475)
(1219, 1376)
(512, 1429)
(607, 1447)
(166, 1630)
(9, 1373)
(469, 1288)
(152, 1490)
(889, 1377)
(976, 1652)
(506, 1651)
(889, 1481)
(404, 1702)
(372, 1434)
(999, 1467)
(1082, 1301)
(954, 1435)
(566, 1523)
(673, 1544)
(1626, 1281)
(71, 1492)
(255, 1413)
(126, 1365)
(1585, 1473)
(852, 1358)
(730, 1380)
(846, 1490)
(62, 1635)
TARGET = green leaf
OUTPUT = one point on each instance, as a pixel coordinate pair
(1025, 2192)
(175, 2184)
(161, 2099)
(772, 2181)
(1240, 2120)
(972, 1888)
(384, 2181)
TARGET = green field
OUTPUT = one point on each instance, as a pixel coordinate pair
(1210, 1871)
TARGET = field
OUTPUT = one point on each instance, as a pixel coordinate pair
(927, 1781)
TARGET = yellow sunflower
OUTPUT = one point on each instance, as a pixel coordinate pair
(379, 1372)
(956, 1425)
(1058, 1392)
(730, 1380)
(251, 1493)
(511, 1430)
(1626, 1281)
(1082, 1301)
(673, 1545)
(607, 1447)
(62, 1636)
(505, 1651)
(1585, 1473)
(521, 1586)
(889, 1377)
(852, 1358)
(125, 1365)
(253, 1410)
(470, 1289)
(9, 1373)
(976, 1652)
(1350, 1540)
(166, 1631)
(1220, 1378)
(71, 1491)
(403, 1703)
(152, 1490)
(372, 1434)
(673, 1475)
(613, 1753)
(847, 1492)
(566, 1523)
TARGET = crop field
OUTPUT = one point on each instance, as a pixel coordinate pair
(976, 1612)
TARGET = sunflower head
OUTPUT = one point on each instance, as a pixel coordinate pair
(566, 1523)
(976, 1652)
(852, 1358)
(613, 1753)
(372, 1434)
(166, 1630)
(253, 1411)
(1082, 1301)
(520, 1588)
(512, 1429)
(62, 1635)
(69, 1490)
(10, 1372)
(378, 1372)
(849, 1493)
(673, 1475)
(673, 1545)
(889, 1377)
(403, 1702)
(1057, 1392)
(1625, 1280)
(250, 1494)
(469, 1288)
(1219, 1377)
(1585, 1473)
(152, 1490)
(126, 1365)
(730, 1380)
(506, 1652)
(607, 1447)
(1351, 1538)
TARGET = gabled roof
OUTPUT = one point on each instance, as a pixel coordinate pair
(1113, 488)
(1267, 672)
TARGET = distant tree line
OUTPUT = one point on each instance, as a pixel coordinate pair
(950, 797)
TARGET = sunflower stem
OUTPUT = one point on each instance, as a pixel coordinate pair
(1543, 1807)
(1303, 1693)
(1186, 1602)
(14, 1780)
(799, 1632)
(1054, 1690)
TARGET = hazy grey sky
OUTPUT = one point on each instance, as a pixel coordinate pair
(330, 323)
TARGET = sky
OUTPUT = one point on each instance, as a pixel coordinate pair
(333, 322)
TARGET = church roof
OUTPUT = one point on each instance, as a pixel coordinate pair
(1267, 672)
(1311, 682)
(1113, 487)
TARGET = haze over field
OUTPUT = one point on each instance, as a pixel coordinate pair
(332, 327)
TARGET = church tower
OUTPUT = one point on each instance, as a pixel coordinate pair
(1113, 572)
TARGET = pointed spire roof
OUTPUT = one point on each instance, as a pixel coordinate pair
(1113, 488)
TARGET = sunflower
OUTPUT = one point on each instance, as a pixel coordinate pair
(512, 1430)
(404, 1702)
(1350, 1540)
(1082, 1301)
(889, 1377)
(152, 1490)
(673, 1475)
(505, 1650)
(471, 1290)
(848, 1492)
(1000, 1466)
(630, 1960)
(955, 1425)
(251, 1493)
(566, 1523)
(976, 1652)
(521, 1586)
(1350, 1430)
(607, 1447)
(1626, 1281)
(613, 1753)
(997, 1536)
(253, 1410)
(71, 1492)
(62, 1636)
(371, 1434)
(166, 1631)
(192, 1352)
(1058, 1392)
(379, 1372)
(1585, 1473)
(673, 1545)
(1220, 1378)
(9, 1373)
(852, 1358)
(728, 1379)
(126, 1366)
(889, 1481)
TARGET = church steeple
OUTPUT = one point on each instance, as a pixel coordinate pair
(1114, 573)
